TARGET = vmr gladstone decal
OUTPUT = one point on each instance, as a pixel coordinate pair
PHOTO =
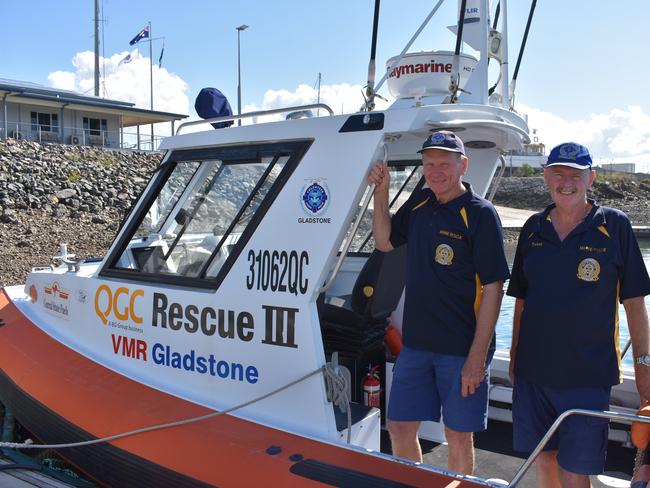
(190, 361)
(315, 198)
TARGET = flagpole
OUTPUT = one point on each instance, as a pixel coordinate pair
(151, 80)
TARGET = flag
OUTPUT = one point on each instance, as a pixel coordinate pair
(125, 59)
(162, 51)
(139, 36)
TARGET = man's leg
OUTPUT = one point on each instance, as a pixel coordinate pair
(404, 439)
(573, 480)
(413, 398)
(461, 451)
(462, 416)
(547, 470)
(579, 446)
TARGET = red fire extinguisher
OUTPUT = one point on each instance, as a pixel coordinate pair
(372, 388)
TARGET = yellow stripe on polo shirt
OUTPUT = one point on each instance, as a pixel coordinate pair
(616, 335)
(603, 230)
(420, 204)
(479, 286)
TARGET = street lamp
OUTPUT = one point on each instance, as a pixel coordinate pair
(239, 29)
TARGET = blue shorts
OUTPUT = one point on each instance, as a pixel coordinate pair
(424, 383)
(581, 441)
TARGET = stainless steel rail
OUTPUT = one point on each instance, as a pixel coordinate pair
(370, 189)
(576, 411)
(258, 113)
(497, 180)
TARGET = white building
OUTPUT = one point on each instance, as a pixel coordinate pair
(38, 113)
(532, 154)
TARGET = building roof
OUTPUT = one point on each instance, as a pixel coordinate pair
(34, 94)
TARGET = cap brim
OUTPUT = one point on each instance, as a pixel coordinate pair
(570, 165)
(442, 149)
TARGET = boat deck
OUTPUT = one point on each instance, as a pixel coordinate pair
(496, 459)
(513, 218)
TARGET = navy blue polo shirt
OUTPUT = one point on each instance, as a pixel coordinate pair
(453, 249)
(569, 326)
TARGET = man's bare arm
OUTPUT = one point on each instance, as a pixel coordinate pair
(473, 372)
(381, 225)
(637, 322)
(516, 324)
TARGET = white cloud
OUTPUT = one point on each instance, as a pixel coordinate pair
(128, 82)
(342, 98)
(620, 135)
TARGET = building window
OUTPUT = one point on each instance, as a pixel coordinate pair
(46, 122)
(95, 127)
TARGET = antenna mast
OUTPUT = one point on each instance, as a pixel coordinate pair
(96, 48)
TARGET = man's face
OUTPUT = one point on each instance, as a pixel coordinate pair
(443, 170)
(568, 186)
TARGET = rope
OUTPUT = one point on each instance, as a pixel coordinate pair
(328, 371)
(337, 392)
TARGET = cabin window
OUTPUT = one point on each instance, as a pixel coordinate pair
(204, 206)
(46, 122)
(404, 179)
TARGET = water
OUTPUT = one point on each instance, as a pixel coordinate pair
(504, 324)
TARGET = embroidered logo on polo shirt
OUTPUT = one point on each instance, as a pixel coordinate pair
(593, 249)
(444, 254)
(453, 235)
(589, 270)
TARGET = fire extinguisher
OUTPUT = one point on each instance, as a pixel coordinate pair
(372, 388)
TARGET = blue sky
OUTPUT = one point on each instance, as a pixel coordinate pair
(584, 73)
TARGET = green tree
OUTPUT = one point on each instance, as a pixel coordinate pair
(526, 170)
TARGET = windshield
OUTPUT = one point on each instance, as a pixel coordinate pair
(200, 211)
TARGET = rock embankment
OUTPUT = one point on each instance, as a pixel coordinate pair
(631, 194)
(52, 194)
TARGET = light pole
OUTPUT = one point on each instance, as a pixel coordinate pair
(239, 29)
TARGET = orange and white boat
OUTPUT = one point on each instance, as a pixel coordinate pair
(224, 284)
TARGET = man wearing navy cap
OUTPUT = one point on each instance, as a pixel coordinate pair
(575, 261)
(456, 267)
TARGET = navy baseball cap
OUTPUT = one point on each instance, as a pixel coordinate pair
(570, 154)
(445, 140)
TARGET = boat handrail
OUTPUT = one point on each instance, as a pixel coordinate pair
(576, 411)
(370, 189)
(497, 179)
(226, 118)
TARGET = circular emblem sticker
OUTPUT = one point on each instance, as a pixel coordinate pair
(315, 197)
(569, 150)
(588, 270)
(437, 138)
(444, 254)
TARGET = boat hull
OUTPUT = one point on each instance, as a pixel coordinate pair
(61, 396)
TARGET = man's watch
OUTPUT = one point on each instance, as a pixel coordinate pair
(644, 359)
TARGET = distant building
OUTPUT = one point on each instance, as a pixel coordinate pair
(38, 113)
(532, 154)
(618, 167)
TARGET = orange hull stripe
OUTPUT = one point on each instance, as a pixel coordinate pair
(224, 450)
